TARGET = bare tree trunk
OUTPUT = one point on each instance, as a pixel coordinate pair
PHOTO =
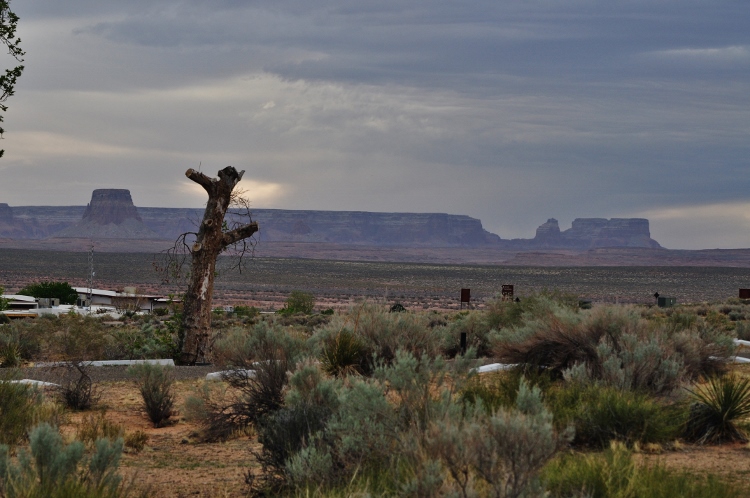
(209, 244)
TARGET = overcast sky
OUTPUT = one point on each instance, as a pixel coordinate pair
(509, 111)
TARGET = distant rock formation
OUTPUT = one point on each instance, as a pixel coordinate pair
(8, 226)
(589, 233)
(111, 214)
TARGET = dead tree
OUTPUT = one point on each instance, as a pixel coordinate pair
(213, 238)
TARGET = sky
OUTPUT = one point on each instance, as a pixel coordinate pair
(510, 111)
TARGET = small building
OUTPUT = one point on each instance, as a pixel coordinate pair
(98, 296)
(18, 302)
(666, 302)
(20, 306)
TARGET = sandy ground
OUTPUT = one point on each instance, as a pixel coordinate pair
(174, 463)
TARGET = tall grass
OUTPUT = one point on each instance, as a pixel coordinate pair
(616, 474)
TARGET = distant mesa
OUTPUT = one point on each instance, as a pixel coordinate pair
(9, 227)
(589, 233)
(111, 214)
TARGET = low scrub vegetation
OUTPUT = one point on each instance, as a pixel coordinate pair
(155, 383)
(370, 401)
(21, 407)
(50, 468)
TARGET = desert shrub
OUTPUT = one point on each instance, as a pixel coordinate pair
(344, 354)
(25, 339)
(603, 414)
(242, 347)
(500, 389)
(155, 383)
(18, 406)
(80, 393)
(95, 426)
(161, 311)
(477, 329)
(299, 302)
(615, 473)
(283, 433)
(501, 452)
(151, 340)
(616, 347)
(258, 383)
(382, 333)
(136, 441)
(742, 329)
(361, 433)
(52, 469)
(10, 350)
(76, 338)
(246, 311)
(719, 406)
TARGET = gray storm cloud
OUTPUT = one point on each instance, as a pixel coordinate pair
(507, 111)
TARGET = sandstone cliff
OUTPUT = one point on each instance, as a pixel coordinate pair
(111, 214)
(589, 233)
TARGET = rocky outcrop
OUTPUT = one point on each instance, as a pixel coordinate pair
(111, 214)
(548, 234)
(589, 233)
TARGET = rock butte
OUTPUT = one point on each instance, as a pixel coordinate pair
(112, 214)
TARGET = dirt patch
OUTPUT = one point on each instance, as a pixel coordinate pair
(731, 462)
(174, 463)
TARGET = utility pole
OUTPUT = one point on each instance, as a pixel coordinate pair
(91, 274)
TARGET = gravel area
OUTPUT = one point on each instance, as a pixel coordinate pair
(105, 374)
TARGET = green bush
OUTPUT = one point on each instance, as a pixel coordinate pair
(52, 469)
(155, 383)
(57, 290)
(246, 311)
(616, 474)
(719, 406)
(604, 414)
(299, 302)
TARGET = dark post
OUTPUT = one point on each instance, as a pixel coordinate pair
(463, 342)
(465, 297)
